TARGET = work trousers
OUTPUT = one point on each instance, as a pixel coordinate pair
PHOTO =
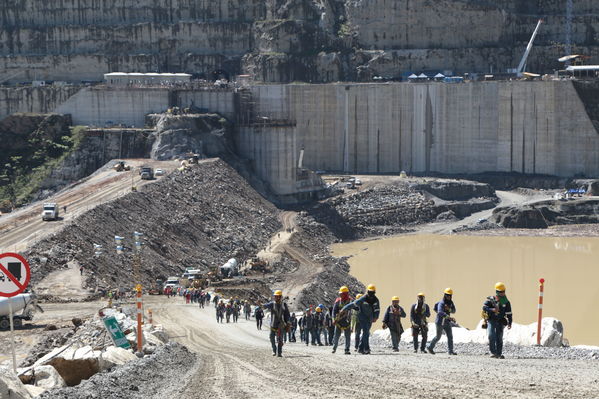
(292, 335)
(495, 331)
(346, 333)
(440, 328)
(259, 323)
(357, 336)
(395, 338)
(365, 340)
(277, 335)
(417, 331)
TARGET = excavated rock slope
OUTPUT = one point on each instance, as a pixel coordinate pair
(198, 218)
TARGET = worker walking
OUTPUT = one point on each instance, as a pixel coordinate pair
(419, 313)
(292, 328)
(444, 308)
(499, 314)
(355, 326)
(279, 322)
(259, 315)
(318, 326)
(392, 320)
(342, 319)
(308, 323)
(369, 308)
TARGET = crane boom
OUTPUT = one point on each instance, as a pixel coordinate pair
(522, 64)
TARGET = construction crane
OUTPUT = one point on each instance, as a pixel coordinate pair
(522, 66)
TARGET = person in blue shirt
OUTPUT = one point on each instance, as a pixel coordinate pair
(444, 308)
(369, 310)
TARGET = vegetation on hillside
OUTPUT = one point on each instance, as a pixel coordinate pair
(32, 148)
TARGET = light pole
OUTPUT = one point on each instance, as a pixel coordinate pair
(138, 288)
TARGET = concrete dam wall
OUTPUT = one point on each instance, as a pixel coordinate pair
(528, 127)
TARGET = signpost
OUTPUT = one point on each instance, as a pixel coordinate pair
(117, 335)
(14, 278)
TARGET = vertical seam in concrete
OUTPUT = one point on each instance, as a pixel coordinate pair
(511, 131)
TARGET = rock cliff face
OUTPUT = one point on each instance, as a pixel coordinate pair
(285, 40)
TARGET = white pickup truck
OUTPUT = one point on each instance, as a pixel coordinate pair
(50, 211)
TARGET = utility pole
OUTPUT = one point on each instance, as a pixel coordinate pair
(136, 269)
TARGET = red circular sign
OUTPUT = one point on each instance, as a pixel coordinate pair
(14, 274)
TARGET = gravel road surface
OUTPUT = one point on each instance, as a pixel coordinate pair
(235, 361)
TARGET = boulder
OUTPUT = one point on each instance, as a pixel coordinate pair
(47, 377)
(11, 386)
(76, 364)
(118, 356)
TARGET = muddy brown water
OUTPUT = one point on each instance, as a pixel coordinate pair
(406, 265)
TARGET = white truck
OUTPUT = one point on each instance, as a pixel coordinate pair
(50, 211)
(22, 309)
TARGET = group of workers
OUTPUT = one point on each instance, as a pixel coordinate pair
(323, 325)
(348, 315)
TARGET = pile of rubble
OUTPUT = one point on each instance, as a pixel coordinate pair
(84, 351)
(384, 209)
(198, 217)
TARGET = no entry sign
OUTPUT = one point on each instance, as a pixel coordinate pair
(14, 274)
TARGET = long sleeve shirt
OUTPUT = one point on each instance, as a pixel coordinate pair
(444, 311)
(392, 318)
(504, 310)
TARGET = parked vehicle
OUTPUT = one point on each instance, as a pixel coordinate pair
(23, 303)
(159, 172)
(146, 173)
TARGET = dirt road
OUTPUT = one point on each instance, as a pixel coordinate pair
(236, 362)
(279, 244)
(21, 228)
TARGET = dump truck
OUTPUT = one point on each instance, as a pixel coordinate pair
(23, 306)
(50, 211)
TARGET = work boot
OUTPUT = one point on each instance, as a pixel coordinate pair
(430, 350)
(453, 353)
(415, 350)
(395, 350)
(493, 355)
(422, 351)
(334, 350)
(501, 357)
(347, 352)
(274, 354)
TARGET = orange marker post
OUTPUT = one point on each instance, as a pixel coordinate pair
(540, 317)
(140, 334)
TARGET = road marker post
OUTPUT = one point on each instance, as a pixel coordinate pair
(540, 316)
(140, 334)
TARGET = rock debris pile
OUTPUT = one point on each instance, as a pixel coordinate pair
(384, 209)
(68, 357)
(198, 217)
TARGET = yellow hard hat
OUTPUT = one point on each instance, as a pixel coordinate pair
(421, 294)
(278, 293)
(358, 296)
(343, 289)
(448, 291)
(318, 309)
(395, 298)
(371, 287)
(499, 287)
